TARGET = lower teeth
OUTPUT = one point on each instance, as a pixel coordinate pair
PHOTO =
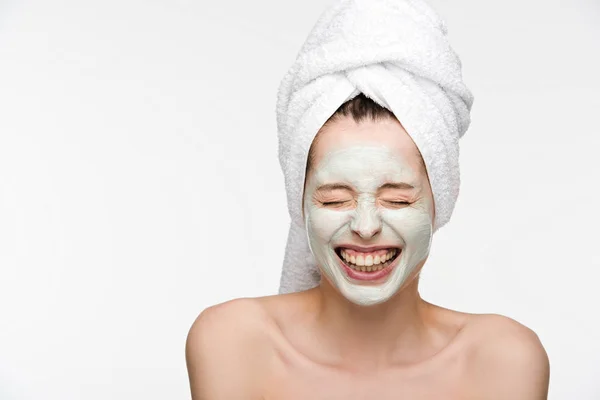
(373, 269)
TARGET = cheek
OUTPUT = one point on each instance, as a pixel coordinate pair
(323, 223)
(411, 223)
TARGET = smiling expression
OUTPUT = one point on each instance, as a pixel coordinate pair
(368, 208)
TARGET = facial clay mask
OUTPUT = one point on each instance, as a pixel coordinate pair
(364, 238)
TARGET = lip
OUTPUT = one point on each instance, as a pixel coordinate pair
(373, 277)
(366, 249)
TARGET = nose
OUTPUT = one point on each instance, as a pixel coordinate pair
(366, 223)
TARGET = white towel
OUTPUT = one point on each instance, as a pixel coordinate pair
(397, 53)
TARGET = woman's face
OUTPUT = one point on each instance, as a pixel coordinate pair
(368, 208)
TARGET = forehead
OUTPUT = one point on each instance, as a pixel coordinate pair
(383, 145)
(365, 166)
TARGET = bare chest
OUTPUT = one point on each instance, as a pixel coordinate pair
(301, 381)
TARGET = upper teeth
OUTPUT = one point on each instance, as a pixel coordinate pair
(367, 259)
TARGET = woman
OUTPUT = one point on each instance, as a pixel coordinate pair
(366, 190)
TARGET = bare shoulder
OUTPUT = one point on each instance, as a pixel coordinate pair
(227, 351)
(507, 359)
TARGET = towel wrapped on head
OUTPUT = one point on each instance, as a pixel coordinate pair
(395, 52)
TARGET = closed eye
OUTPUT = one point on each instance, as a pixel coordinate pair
(329, 203)
(399, 204)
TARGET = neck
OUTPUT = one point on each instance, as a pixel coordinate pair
(373, 336)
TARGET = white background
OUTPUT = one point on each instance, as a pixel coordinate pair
(139, 182)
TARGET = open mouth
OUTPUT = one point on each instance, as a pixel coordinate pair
(370, 263)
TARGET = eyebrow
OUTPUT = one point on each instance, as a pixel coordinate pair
(397, 185)
(334, 186)
(389, 185)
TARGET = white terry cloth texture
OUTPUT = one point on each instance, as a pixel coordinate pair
(397, 53)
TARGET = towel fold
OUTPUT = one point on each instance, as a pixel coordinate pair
(397, 53)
